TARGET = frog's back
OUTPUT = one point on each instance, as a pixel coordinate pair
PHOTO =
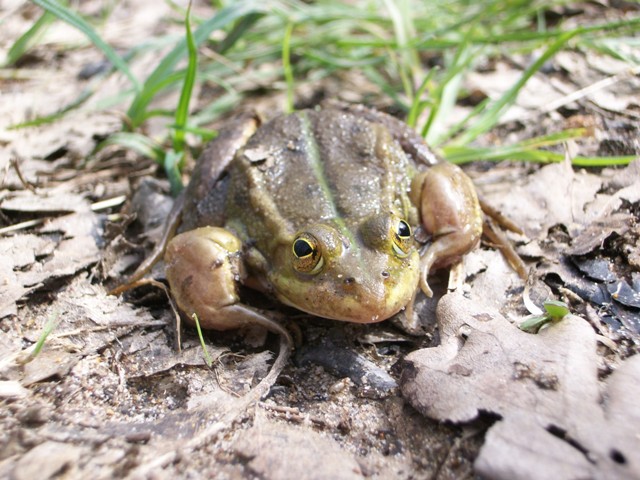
(311, 167)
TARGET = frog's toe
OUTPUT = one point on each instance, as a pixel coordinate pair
(424, 286)
(425, 266)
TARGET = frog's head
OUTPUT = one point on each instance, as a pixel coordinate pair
(364, 273)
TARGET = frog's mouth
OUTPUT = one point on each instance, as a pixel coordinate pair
(351, 300)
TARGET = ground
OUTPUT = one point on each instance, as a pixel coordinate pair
(108, 395)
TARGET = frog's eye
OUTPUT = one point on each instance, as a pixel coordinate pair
(307, 257)
(401, 238)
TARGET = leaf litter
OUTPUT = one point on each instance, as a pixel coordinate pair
(544, 389)
(110, 396)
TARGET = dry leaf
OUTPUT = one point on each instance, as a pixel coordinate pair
(68, 245)
(543, 387)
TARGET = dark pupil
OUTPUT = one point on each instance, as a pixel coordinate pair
(403, 229)
(302, 248)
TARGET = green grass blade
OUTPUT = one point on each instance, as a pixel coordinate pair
(238, 30)
(205, 134)
(406, 58)
(45, 119)
(172, 162)
(417, 105)
(325, 59)
(136, 142)
(223, 18)
(51, 324)
(286, 65)
(182, 112)
(214, 109)
(491, 116)
(460, 126)
(376, 78)
(447, 94)
(465, 154)
(207, 357)
(552, 138)
(78, 22)
(602, 161)
(28, 39)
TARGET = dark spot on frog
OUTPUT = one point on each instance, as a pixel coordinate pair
(349, 280)
(314, 191)
(186, 283)
(216, 264)
(256, 155)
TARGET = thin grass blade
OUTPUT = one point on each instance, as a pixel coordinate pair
(286, 65)
(46, 119)
(492, 115)
(28, 39)
(417, 105)
(136, 142)
(73, 19)
(182, 112)
(223, 18)
(172, 162)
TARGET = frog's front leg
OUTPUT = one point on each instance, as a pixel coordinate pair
(204, 268)
(450, 213)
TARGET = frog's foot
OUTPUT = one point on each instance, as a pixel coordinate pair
(170, 226)
(204, 268)
(500, 241)
(450, 213)
(444, 251)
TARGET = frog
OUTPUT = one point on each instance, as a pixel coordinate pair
(319, 210)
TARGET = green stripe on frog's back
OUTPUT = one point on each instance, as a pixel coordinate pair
(317, 164)
(311, 167)
(361, 164)
(275, 190)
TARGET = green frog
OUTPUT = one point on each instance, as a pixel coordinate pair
(319, 209)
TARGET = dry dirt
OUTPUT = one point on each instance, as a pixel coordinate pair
(467, 394)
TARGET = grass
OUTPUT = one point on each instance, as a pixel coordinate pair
(207, 357)
(283, 45)
(29, 354)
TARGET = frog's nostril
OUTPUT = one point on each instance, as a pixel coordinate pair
(385, 274)
(349, 281)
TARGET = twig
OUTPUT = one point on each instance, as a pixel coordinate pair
(586, 91)
(101, 205)
(22, 225)
(108, 203)
(16, 166)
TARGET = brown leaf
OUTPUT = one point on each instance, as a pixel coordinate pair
(17, 255)
(553, 195)
(594, 235)
(545, 385)
(48, 460)
(45, 201)
(28, 261)
(87, 320)
(158, 356)
(50, 363)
